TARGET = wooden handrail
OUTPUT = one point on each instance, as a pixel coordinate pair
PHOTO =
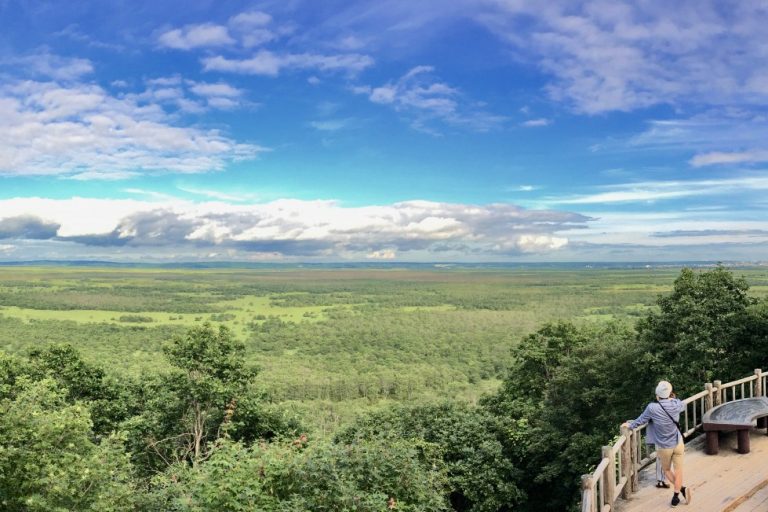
(617, 474)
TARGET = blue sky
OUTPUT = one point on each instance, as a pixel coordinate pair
(484, 130)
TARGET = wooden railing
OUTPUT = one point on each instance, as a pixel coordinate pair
(618, 473)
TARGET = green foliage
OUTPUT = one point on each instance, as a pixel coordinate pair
(191, 406)
(698, 333)
(480, 476)
(136, 319)
(298, 476)
(564, 397)
(48, 459)
(107, 423)
(108, 401)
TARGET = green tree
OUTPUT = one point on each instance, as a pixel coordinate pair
(207, 395)
(565, 395)
(303, 476)
(480, 477)
(49, 460)
(697, 335)
(108, 401)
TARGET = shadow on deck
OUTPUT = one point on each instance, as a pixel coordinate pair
(727, 482)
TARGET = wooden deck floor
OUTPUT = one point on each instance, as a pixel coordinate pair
(727, 482)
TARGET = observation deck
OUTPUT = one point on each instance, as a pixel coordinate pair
(624, 479)
(726, 482)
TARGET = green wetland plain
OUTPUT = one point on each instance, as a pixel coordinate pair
(329, 342)
(329, 389)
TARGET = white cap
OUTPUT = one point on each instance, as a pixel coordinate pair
(664, 389)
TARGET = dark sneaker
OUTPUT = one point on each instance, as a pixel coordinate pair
(687, 495)
(675, 500)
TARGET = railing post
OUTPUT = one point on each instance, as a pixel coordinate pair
(758, 389)
(626, 461)
(709, 400)
(609, 478)
(634, 481)
(718, 393)
(586, 485)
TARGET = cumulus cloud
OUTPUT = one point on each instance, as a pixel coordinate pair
(250, 19)
(190, 96)
(253, 28)
(247, 29)
(195, 36)
(27, 227)
(426, 99)
(82, 130)
(296, 228)
(384, 254)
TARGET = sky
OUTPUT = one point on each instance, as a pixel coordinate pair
(387, 130)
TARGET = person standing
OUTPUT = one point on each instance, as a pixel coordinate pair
(650, 441)
(664, 414)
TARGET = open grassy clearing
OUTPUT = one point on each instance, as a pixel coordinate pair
(235, 314)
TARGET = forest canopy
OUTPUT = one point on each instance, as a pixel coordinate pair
(202, 430)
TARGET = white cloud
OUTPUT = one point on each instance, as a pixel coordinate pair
(221, 196)
(536, 122)
(47, 65)
(189, 96)
(428, 100)
(607, 56)
(250, 19)
(165, 80)
(83, 131)
(268, 63)
(721, 136)
(291, 227)
(223, 103)
(659, 232)
(350, 43)
(384, 254)
(384, 94)
(719, 158)
(251, 28)
(540, 243)
(196, 36)
(651, 191)
(217, 89)
(257, 37)
(522, 188)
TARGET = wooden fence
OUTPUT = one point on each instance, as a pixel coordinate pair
(618, 473)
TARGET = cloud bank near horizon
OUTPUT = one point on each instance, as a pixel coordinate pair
(286, 228)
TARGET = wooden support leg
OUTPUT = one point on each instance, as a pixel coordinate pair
(762, 422)
(713, 444)
(743, 441)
